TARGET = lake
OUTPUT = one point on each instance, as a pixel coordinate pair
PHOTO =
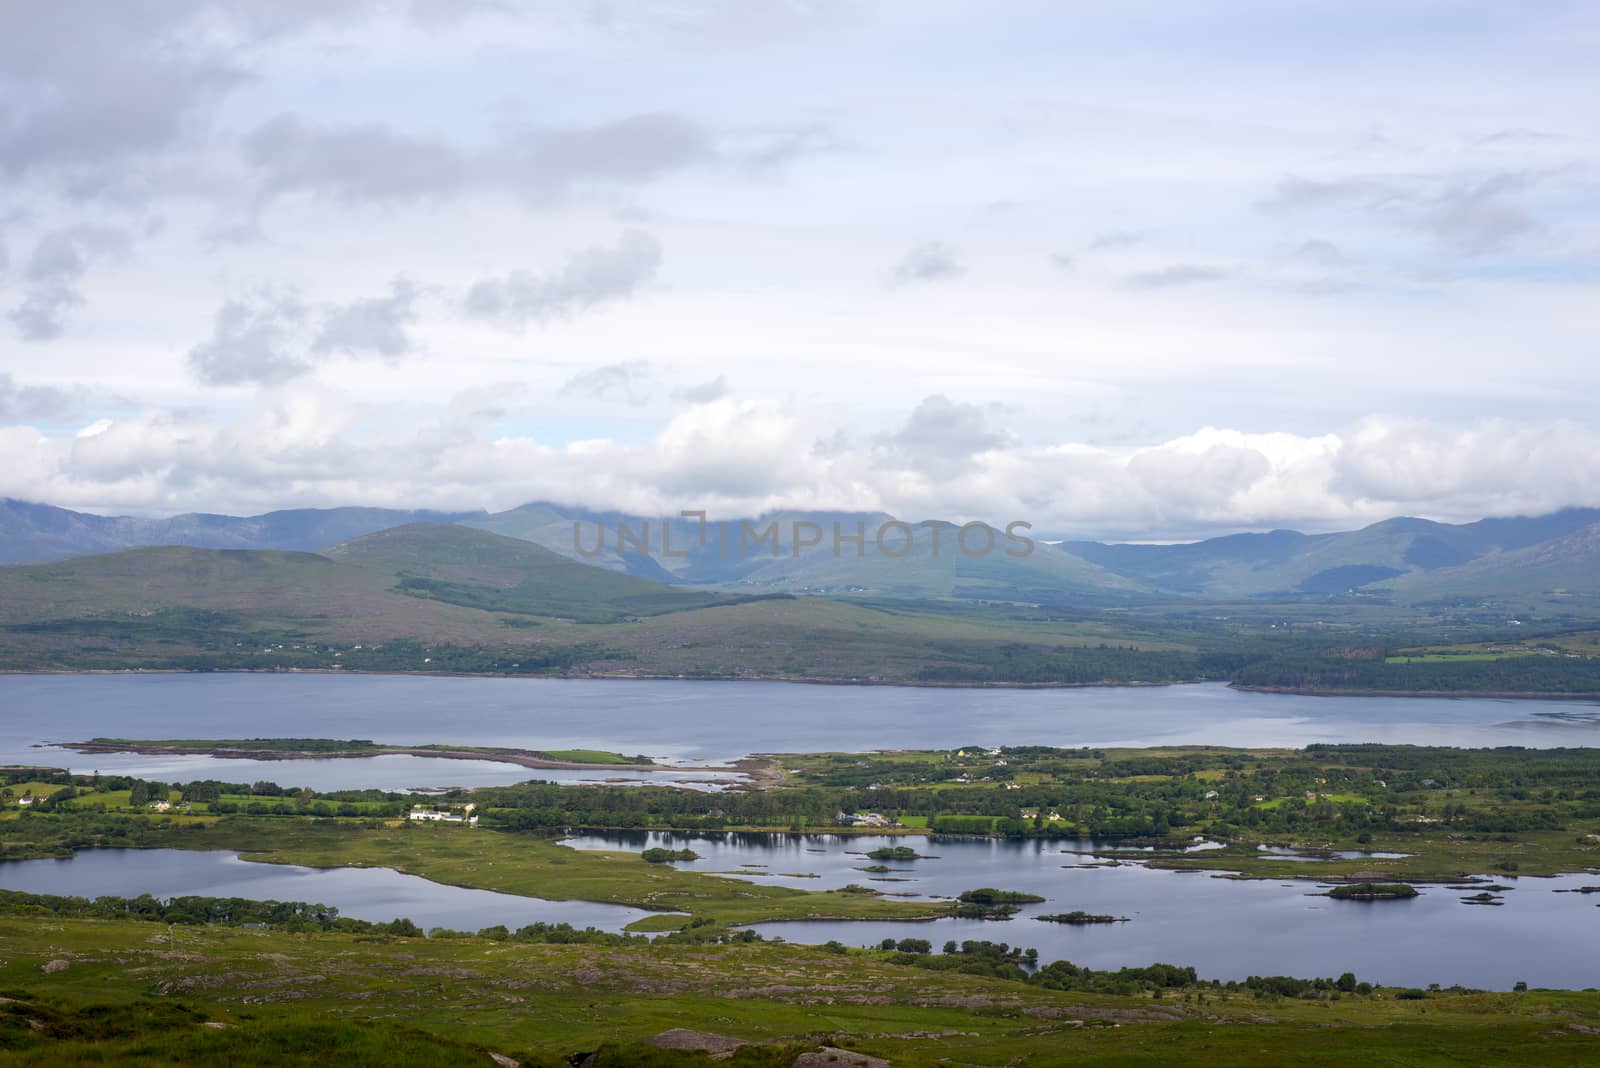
(377, 894)
(1225, 928)
(690, 722)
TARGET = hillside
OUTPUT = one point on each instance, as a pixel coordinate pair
(1288, 564)
(441, 598)
(1563, 572)
(33, 533)
(477, 569)
(1392, 557)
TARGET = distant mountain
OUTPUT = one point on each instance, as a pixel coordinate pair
(761, 556)
(838, 553)
(1286, 563)
(1563, 571)
(477, 569)
(31, 533)
(440, 598)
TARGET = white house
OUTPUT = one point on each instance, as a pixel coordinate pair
(465, 814)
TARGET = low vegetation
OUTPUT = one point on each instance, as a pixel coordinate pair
(96, 990)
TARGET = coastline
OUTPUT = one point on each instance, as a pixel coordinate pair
(759, 770)
(805, 680)
(1500, 695)
(794, 680)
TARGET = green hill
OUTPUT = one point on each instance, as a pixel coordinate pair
(1287, 564)
(1563, 572)
(443, 598)
(477, 569)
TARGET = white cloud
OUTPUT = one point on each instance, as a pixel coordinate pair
(621, 380)
(308, 447)
(420, 183)
(589, 278)
(930, 261)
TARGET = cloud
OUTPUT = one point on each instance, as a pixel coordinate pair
(20, 404)
(705, 392)
(545, 161)
(930, 261)
(1317, 253)
(1114, 240)
(941, 437)
(1514, 135)
(1479, 217)
(1179, 274)
(86, 86)
(272, 337)
(1466, 215)
(613, 378)
(253, 342)
(299, 445)
(1186, 478)
(96, 98)
(373, 163)
(59, 260)
(722, 24)
(355, 163)
(374, 326)
(590, 278)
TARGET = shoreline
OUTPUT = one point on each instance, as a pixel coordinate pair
(793, 680)
(1493, 695)
(758, 771)
(802, 680)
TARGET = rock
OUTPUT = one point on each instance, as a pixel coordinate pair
(51, 967)
(704, 1041)
(505, 1062)
(830, 1057)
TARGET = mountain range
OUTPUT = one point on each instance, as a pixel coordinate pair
(1405, 560)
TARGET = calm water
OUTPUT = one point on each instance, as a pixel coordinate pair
(694, 722)
(1225, 928)
(376, 894)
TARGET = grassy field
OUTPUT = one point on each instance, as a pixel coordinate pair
(178, 608)
(536, 867)
(207, 995)
(593, 756)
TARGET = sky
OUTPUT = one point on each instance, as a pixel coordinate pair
(1132, 271)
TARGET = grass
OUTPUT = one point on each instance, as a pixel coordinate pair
(328, 998)
(1453, 658)
(1432, 857)
(593, 756)
(479, 603)
(535, 867)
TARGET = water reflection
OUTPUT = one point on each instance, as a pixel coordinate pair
(377, 894)
(1226, 928)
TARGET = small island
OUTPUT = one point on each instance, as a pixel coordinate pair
(658, 855)
(1373, 892)
(1078, 916)
(332, 748)
(987, 903)
(896, 853)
